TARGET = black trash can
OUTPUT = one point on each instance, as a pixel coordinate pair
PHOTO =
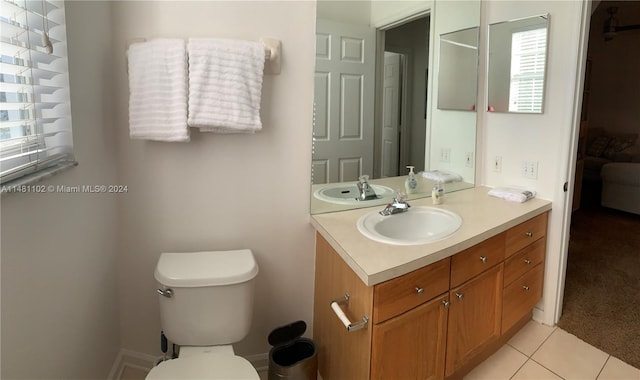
(292, 357)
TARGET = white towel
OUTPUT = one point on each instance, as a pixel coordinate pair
(441, 175)
(225, 85)
(158, 90)
(513, 194)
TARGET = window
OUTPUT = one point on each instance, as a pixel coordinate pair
(528, 51)
(35, 112)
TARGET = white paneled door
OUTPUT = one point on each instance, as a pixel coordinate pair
(390, 115)
(344, 102)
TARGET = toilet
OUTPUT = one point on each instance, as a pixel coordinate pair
(206, 304)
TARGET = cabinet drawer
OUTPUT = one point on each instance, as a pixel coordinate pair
(521, 296)
(527, 258)
(525, 233)
(475, 260)
(398, 295)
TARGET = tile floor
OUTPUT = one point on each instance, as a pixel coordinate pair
(540, 352)
(537, 352)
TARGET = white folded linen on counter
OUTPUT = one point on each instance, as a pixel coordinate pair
(513, 194)
(441, 175)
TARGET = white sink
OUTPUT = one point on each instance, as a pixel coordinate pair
(348, 194)
(418, 225)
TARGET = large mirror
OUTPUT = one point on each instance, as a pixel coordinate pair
(517, 65)
(372, 101)
(458, 75)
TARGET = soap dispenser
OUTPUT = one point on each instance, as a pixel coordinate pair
(411, 184)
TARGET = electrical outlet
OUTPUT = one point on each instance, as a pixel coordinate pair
(530, 169)
(468, 160)
(445, 155)
(497, 164)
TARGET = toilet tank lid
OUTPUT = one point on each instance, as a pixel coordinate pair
(209, 268)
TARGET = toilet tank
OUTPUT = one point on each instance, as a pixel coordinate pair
(210, 301)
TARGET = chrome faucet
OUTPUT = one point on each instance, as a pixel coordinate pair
(398, 205)
(365, 191)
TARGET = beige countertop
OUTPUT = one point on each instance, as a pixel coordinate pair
(482, 215)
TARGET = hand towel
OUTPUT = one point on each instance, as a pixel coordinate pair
(513, 194)
(441, 175)
(158, 90)
(225, 85)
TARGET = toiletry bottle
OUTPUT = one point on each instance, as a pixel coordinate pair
(437, 194)
(411, 184)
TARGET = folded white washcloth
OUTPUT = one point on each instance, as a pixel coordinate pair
(225, 85)
(158, 90)
(441, 175)
(513, 194)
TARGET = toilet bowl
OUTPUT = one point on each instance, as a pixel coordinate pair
(206, 304)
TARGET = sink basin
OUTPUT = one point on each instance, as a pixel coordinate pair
(418, 225)
(348, 194)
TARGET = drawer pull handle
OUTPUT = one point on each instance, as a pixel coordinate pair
(529, 234)
(525, 287)
(420, 291)
(527, 261)
(483, 259)
(460, 296)
(335, 306)
(446, 304)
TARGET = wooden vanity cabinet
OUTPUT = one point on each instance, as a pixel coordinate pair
(436, 322)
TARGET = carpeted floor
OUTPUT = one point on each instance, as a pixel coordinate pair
(602, 288)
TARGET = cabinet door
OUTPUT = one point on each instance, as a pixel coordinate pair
(474, 317)
(341, 354)
(411, 345)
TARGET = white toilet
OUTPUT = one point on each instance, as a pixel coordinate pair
(206, 304)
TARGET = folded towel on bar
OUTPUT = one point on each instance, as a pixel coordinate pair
(158, 90)
(225, 85)
(513, 194)
(441, 175)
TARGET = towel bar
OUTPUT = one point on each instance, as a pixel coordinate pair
(272, 48)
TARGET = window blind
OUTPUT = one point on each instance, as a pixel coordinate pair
(35, 111)
(528, 51)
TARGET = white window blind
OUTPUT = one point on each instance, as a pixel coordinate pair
(528, 51)
(35, 111)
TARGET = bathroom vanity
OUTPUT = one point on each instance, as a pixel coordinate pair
(435, 310)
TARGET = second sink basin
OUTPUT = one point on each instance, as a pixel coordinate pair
(348, 194)
(418, 225)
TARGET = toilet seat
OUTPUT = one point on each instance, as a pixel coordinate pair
(205, 366)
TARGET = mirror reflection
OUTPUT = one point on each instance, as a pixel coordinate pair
(458, 75)
(516, 68)
(372, 104)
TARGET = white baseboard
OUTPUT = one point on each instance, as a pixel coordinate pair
(129, 358)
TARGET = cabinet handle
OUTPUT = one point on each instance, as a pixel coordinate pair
(420, 291)
(527, 261)
(460, 296)
(525, 287)
(446, 304)
(335, 306)
(483, 259)
(529, 233)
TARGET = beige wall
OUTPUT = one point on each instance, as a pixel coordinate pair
(545, 138)
(221, 191)
(59, 304)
